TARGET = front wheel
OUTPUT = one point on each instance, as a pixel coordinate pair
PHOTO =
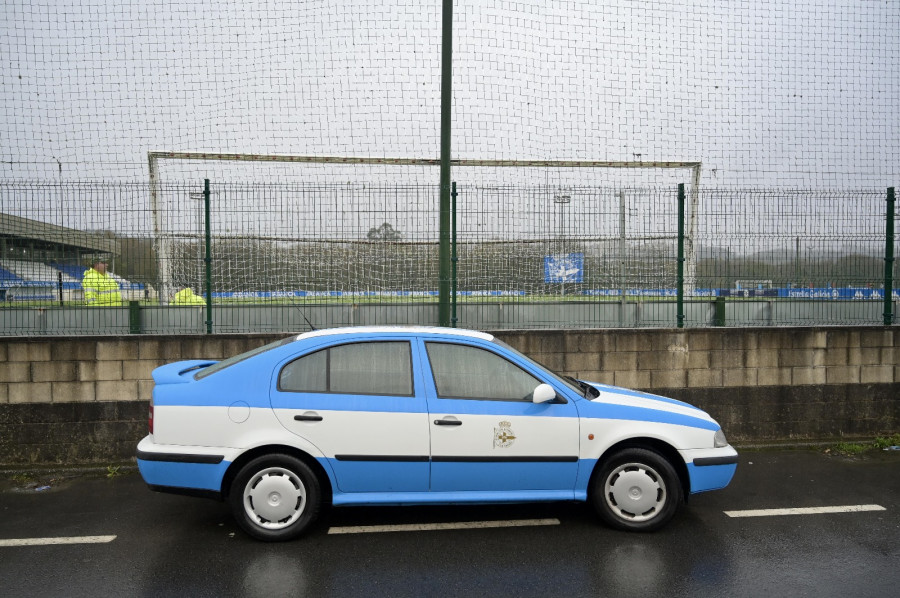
(275, 497)
(636, 490)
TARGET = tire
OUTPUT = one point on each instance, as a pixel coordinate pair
(275, 498)
(636, 490)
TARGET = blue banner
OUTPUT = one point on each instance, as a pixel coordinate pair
(564, 268)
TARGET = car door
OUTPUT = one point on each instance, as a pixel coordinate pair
(361, 405)
(486, 433)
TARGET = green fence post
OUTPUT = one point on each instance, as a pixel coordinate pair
(453, 257)
(208, 258)
(719, 317)
(680, 275)
(889, 259)
(134, 317)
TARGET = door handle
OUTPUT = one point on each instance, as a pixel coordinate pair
(447, 422)
(308, 418)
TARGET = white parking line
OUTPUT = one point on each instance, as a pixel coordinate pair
(55, 541)
(425, 527)
(805, 511)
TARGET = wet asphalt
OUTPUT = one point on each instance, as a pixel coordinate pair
(168, 545)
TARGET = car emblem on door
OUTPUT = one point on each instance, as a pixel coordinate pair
(504, 436)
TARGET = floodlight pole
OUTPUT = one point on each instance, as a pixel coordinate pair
(444, 224)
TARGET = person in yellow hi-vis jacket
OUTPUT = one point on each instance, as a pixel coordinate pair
(186, 296)
(100, 289)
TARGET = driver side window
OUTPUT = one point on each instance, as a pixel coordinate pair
(464, 372)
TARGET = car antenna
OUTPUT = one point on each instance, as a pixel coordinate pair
(311, 327)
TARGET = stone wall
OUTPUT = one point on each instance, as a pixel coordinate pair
(761, 384)
(85, 399)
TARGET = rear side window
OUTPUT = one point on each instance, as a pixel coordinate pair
(217, 367)
(376, 368)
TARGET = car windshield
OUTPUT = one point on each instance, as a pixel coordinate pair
(568, 381)
(221, 365)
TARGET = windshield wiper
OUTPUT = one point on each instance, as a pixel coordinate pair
(584, 386)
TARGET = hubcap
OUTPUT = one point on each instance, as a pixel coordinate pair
(274, 498)
(635, 492)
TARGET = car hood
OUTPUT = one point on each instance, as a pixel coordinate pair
(616, 396)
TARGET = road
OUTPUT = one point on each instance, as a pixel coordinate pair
(149, 544)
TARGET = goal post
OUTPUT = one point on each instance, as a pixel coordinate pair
(361, 169)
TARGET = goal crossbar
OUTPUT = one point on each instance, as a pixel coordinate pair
(154, 157)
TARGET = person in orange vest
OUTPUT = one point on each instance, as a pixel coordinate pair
(100, 289)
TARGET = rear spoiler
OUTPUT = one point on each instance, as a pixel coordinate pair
(180, 371)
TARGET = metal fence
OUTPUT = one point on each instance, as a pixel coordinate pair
(284, 257)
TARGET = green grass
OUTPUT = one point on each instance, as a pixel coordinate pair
(882, 443)
(22, 478)
(389, 300)
(850, 449)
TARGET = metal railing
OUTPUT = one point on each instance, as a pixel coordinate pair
(283, 257)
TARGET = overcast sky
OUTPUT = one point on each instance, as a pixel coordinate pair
(762, 92)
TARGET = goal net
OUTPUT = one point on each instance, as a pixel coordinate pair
(368, 228)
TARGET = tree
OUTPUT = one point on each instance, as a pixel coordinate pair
(385, 232)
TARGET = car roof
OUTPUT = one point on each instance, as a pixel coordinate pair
(395, 330)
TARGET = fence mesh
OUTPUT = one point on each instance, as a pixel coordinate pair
(792, 239)
(762, 92)
(287, 256)
(773, 112)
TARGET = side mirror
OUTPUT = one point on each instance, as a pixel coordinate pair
(543, 393)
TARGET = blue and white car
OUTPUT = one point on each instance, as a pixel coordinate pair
(409, 415)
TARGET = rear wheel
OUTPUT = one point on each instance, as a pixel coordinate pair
(636, 490)
(275, 497)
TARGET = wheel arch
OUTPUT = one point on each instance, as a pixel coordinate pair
(655, 444)
(278, 449)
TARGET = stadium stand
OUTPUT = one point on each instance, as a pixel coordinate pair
(37, 281)
(73, 270)
(7, 278)
(37, 271)
(22, 280)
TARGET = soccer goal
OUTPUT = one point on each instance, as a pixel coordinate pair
(313, 227)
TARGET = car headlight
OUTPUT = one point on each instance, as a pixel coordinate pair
(719, 440)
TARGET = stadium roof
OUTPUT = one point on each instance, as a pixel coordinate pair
(16, 226)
